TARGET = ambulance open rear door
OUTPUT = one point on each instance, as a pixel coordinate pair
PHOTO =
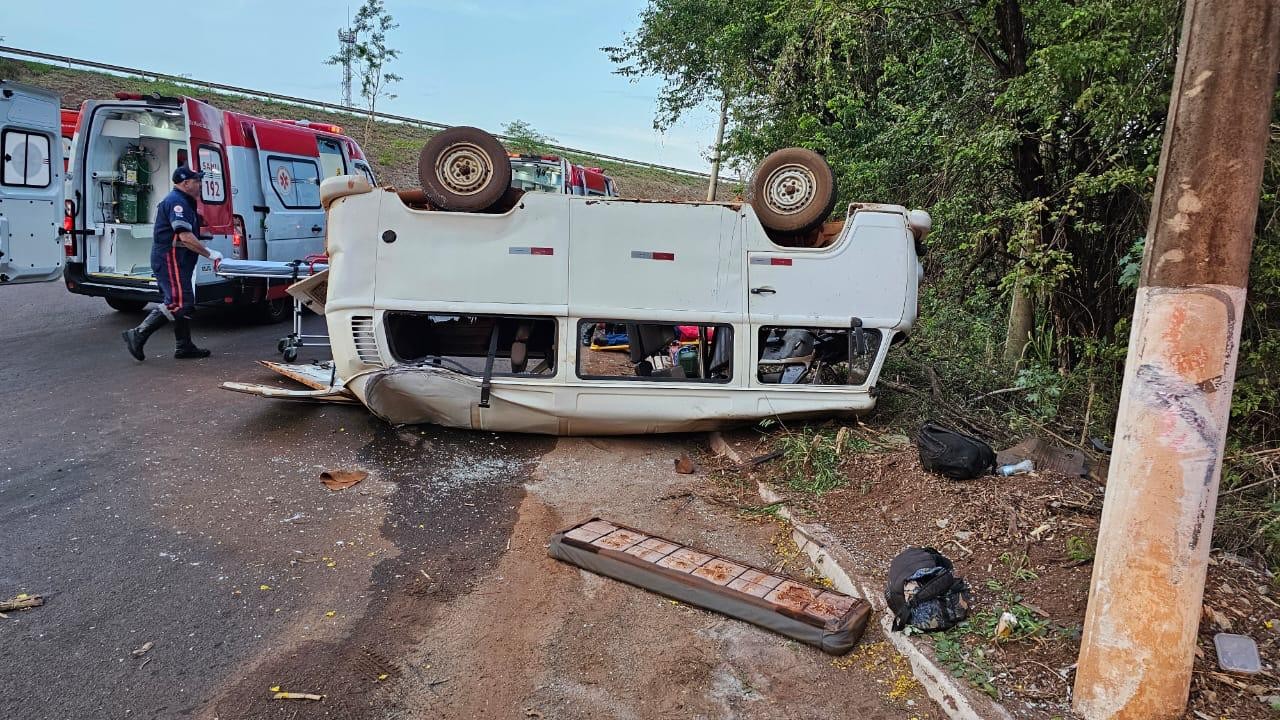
(31, 185)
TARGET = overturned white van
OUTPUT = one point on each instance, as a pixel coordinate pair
(563, 314)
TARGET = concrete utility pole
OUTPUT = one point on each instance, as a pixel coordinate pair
(1157, 520)
(715, 151)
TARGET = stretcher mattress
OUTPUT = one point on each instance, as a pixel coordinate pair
(270, 269)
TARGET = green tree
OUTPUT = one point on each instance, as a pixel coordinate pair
(522, 138)
(369, 56)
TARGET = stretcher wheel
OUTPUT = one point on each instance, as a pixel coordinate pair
(793, 191)
(282, 345)
(290, 354)
(464, 169)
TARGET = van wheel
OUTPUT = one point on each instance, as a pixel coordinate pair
(793, 191)
(270, 312)
(464, 169)
(126, 306)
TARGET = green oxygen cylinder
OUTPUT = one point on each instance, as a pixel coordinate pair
(133, 188)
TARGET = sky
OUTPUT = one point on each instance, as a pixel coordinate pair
(464, 62)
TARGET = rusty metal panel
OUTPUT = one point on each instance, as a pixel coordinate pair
(824, 618)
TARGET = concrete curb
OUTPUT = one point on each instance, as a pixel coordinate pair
(829, 557)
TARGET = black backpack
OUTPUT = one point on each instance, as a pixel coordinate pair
(924, 593)
(954, 454)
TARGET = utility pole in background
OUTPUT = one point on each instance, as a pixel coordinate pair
(1157, 520)
(715, 150)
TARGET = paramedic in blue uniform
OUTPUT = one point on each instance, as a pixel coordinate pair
(175, 249)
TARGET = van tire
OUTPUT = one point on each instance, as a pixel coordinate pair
(126, 306)
(793, 191)
(464, 169)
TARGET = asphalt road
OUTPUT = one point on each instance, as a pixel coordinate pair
(148, 506)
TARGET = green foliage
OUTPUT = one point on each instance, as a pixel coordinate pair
(968, 649)
(1019, 566)
(1031, 131)
(1079, 549)
(967, 662)
(772, 510)
(522, 138)
(811, 460)
(370, 55)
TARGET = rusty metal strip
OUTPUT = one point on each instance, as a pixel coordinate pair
(826, 619)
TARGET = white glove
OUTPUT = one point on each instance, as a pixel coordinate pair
(216, 257)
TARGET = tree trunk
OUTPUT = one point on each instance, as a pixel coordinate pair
(1021, 323)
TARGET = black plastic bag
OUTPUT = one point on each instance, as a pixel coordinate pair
(954, 454)
(923, 592)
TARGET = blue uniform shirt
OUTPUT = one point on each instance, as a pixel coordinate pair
(176, 212)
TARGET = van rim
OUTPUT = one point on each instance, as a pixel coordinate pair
(464, 168)
(790, 189)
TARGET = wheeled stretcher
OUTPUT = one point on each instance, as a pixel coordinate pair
(292, 272)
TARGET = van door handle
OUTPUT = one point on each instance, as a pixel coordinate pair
(766, 290)
(316, 228)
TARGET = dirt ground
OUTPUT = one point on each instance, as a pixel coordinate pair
(537, 638)
(1024, 544)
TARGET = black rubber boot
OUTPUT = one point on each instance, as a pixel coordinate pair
(187, 350)
(135, 338)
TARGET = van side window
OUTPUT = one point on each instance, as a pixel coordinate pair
(364, 170)
(815, 356)
(630, 350)
(522, 345)
(331, 161)
(26, 159)
(296, 182)
(213, 188)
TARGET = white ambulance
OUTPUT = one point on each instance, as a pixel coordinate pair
(31, 185)
(260, 198)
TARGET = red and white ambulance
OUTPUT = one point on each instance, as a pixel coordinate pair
(260, 198)
(555, 174)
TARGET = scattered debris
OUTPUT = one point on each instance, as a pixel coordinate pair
(684, 465)
(296, 696)
(828, 620)
(1237, 653)
(1046, 457)
(21, 601)
(1217, 618)
(1004, 628)
(143, 650)
(337, 480)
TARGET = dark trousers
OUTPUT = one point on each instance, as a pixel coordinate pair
(174, 267)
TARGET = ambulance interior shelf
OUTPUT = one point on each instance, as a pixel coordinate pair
(130, 161)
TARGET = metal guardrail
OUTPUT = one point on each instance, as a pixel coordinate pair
(334, 107)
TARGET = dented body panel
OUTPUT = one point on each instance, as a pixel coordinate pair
(568, 259)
